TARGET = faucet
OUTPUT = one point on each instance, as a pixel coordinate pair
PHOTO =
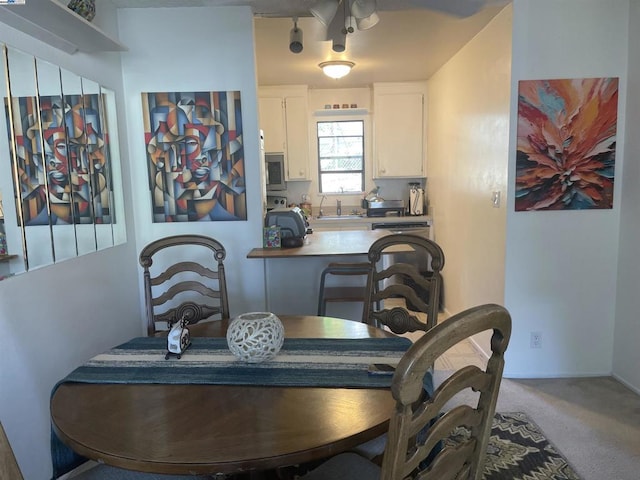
(338, 207)
(320, 212)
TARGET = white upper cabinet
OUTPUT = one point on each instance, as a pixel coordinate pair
(272, 123)
(399, 129)
(284, 119)
(296, 116)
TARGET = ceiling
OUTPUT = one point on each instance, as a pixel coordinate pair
(407, 44)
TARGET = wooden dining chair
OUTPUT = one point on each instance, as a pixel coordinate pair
(9, 468)
(330, 294)
(420, 425)
(403, 291)
(194, 288)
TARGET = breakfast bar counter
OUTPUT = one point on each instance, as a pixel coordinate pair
(326, 243)
(292, 275)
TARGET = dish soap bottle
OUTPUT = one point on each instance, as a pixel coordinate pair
(305, 205)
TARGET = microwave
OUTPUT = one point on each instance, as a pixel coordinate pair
(274, 170)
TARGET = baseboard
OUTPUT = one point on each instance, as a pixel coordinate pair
(529, 376)
(478, 350)
(631, 387)
(444, 313)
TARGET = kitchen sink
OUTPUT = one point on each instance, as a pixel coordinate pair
(339, 217)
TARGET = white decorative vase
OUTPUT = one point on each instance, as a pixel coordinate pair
(255, 337)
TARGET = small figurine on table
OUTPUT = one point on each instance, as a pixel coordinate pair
(179, 339)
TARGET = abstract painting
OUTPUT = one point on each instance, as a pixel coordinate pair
(62, 160)
(566, 147)
(195, 156)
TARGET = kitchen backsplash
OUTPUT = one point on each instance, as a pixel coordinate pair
(390, 189)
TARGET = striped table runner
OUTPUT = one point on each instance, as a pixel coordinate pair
(301, 362)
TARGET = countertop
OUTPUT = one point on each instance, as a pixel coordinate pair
(325, 243)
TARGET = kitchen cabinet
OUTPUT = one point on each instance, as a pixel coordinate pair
(297, 133)
(272, 123)
(399, 130)
(284, 119)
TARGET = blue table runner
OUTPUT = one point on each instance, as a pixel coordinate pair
(302, 362)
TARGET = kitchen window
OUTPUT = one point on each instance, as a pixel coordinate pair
(341, 156)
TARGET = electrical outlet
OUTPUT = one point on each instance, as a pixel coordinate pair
(536, 340)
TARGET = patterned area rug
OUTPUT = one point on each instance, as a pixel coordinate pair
(518, 450)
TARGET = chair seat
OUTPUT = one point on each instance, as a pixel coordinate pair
(105, 472)
(345, 466)
(373, 449)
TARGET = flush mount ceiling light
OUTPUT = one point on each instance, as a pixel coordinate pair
(336, 68)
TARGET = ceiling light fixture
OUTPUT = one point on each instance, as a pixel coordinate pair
(367, 22)
(354, 14)
(363, 8)
(336, 68)
(325, 10)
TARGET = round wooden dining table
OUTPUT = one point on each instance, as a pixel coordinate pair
(209, 429)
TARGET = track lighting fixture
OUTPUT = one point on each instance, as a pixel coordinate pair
(342, 17)
(295, 37)
(339, 43)
(325, 10)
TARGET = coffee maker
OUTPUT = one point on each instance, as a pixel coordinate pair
(416, 199)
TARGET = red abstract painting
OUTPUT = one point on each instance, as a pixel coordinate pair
(566, 148)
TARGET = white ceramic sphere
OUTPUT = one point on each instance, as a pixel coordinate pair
(255, 336)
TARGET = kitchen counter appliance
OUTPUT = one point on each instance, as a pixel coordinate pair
(276, 201)
(292, 223)
(274, 172)
(385, 208)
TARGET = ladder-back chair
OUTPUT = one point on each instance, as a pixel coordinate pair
(193, 287)
(412, 292)
(420, 424)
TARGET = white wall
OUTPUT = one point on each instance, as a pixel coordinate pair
(626, 357)
(561, 266)
(468, 140)
(196, 49)
(57, 317)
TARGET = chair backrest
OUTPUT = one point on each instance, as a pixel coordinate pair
(413, 291)
(419, 424)
(194, 288)
(9, 468)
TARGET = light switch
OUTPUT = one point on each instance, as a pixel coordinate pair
(495, 199)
